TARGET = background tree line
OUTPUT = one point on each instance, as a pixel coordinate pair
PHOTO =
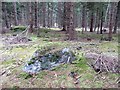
(89, 16)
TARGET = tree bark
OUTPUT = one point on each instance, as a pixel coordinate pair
(5, 15)
(96, 17)
(65, 17)
(101, 25)
(83, 19)
(91, 22)
(107, 16)
(51, 15)
(111, 21)
(70, 16)
(58, 15)
(44, 13)
(27, 13)
(23, 13)
(48, 17)
(98, 24)
(15, 13)
(86, 22)
(36, 12)
(31, 18)
(116, 19)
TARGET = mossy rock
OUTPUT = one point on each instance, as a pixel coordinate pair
(31, 62)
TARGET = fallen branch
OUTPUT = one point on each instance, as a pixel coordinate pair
(25, 31)
(103, 63)
(19, 38)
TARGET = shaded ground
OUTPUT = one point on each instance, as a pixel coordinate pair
(13, 58)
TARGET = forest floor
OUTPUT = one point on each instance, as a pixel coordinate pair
(13, 58)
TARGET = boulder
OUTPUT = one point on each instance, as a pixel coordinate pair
(48, 61)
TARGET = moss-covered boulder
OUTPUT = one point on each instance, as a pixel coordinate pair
(48, 60)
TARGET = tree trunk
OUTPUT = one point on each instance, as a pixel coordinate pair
(31, 18)
(75, 19)
(59, 16)
(48, 17)
(111, 21)
(101, 22)
(116, 19)
(36, 10)
(97, 20)
(27, 13)
(98, 24)
(86, 20)
(65, 17)
(91, 22)
(44, 13)
(5, 15)
(51, 15)
(22, 13)
(83, 19)
(70, 16)
(107, 16)
(15, 13)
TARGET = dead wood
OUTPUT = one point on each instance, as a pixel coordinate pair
(19, 38)
(103, 63)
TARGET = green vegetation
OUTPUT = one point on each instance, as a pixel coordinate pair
(42, 74)
(58, 76)
(15, 88)
(18, 28)
(8, 62)
(77, 39)
(24, 75)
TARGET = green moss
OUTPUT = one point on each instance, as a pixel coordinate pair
(62, 77)
(81, 63)
(8, 62)
(46, 31)
(91, 35)
(57, 68)
(80, 66)
(55, 56)
(65, 66)
(14, 88)
(112, 76)
(61, 67)
(34, 38)
(41, 74)
(105, 46)
(98, 84)
(24, 75)
(18, 28)
(45, 39)
(31, 62)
